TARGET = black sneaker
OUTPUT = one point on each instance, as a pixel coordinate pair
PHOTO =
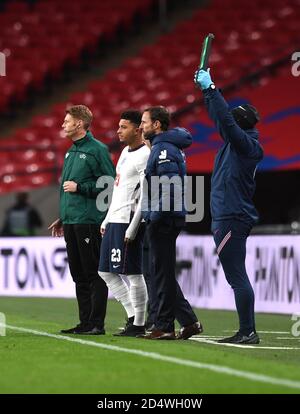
(77, 329)
(132, 330)
(150, 328)
(239, 338)
(129, 322)
(94, 331)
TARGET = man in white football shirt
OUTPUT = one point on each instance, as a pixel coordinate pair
(122, 230)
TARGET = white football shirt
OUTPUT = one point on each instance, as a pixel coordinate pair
(125, 204)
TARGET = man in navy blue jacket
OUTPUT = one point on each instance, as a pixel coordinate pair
(164, 212)
(232, 189)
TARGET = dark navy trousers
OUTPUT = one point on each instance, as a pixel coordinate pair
(152, 299)
(230, 237)
(167, 301)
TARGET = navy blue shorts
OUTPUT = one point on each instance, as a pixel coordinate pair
(116, 256)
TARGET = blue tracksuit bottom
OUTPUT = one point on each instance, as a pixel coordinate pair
(230, 237)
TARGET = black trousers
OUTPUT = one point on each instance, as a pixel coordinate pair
(166, 292)
(83, 249)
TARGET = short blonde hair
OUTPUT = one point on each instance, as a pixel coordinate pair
(81, 112)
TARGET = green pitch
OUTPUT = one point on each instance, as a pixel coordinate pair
(36, 363)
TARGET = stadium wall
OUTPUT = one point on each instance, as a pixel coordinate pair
(38, 267)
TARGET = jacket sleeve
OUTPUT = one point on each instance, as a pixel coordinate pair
(219, 112)
(101, 165)
(137, 217)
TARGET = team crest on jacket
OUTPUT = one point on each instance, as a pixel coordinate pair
(163, 155)
(82, 156)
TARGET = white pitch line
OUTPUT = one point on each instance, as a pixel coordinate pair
(289, 338)
(159, 357)
(209, 336)
(266, 332)
(274, 332)
(207, 341)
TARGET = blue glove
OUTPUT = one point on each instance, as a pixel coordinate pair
(202, 79)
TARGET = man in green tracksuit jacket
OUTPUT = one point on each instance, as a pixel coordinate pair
(79, 222)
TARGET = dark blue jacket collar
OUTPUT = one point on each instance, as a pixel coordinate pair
(180, 137)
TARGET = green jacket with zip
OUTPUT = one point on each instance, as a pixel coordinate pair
(86, 161)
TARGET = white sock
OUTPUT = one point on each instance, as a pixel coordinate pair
(139, 297)
(119, 289)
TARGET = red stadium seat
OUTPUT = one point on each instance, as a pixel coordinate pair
(248, 36)
(39, 39)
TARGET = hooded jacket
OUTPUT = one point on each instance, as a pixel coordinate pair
(233, 178)
(86, 161)
(163, 194)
